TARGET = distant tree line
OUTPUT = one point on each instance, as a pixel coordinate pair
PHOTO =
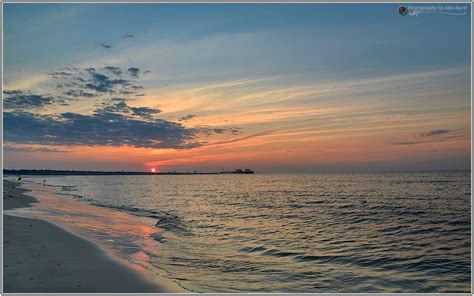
(86, 173)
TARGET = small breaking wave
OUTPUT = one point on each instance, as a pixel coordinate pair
(165, 220)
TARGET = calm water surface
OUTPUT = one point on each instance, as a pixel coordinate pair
(383, 232)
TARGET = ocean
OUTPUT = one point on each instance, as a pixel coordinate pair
(357, 232)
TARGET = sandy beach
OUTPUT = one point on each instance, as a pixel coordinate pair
(42, 257)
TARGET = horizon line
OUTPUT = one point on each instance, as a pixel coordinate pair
(227, 170)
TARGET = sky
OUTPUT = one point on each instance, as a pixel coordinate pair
(211, 87)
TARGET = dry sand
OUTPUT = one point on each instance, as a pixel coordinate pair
(41, 257)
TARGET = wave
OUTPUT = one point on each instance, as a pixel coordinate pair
(165, 220)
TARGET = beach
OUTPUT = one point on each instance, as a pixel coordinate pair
(42, 257)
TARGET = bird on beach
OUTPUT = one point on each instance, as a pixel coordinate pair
(19, 178)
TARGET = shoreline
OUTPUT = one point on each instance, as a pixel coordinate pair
(40, 256)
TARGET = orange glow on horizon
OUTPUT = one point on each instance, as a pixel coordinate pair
(284, 129)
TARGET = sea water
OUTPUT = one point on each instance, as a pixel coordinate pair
(358, 232)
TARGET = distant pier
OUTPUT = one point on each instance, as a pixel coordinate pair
(238, 171)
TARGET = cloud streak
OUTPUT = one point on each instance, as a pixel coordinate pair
(434, 133)
(266, 133)
(433, 136)
(103, 46)
(10, 148)
(187, 117)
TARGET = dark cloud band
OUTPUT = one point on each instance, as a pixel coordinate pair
(16, 99)
(114, 125)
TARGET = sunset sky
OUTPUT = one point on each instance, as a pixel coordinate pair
(272, 87)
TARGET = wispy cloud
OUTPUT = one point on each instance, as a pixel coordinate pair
(434, 136)
(434, 133)
(12, 148)
(240, 139)
(91, 82)
(113, 70)
(103, 45)
(19, 100)
(134, 72)
(187, 117)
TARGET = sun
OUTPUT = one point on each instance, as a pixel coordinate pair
(153, 170)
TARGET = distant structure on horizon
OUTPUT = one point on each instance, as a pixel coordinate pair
(239, 171)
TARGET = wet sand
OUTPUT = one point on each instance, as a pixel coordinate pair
(40, 257)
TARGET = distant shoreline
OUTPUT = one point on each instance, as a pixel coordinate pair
(114, 173)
